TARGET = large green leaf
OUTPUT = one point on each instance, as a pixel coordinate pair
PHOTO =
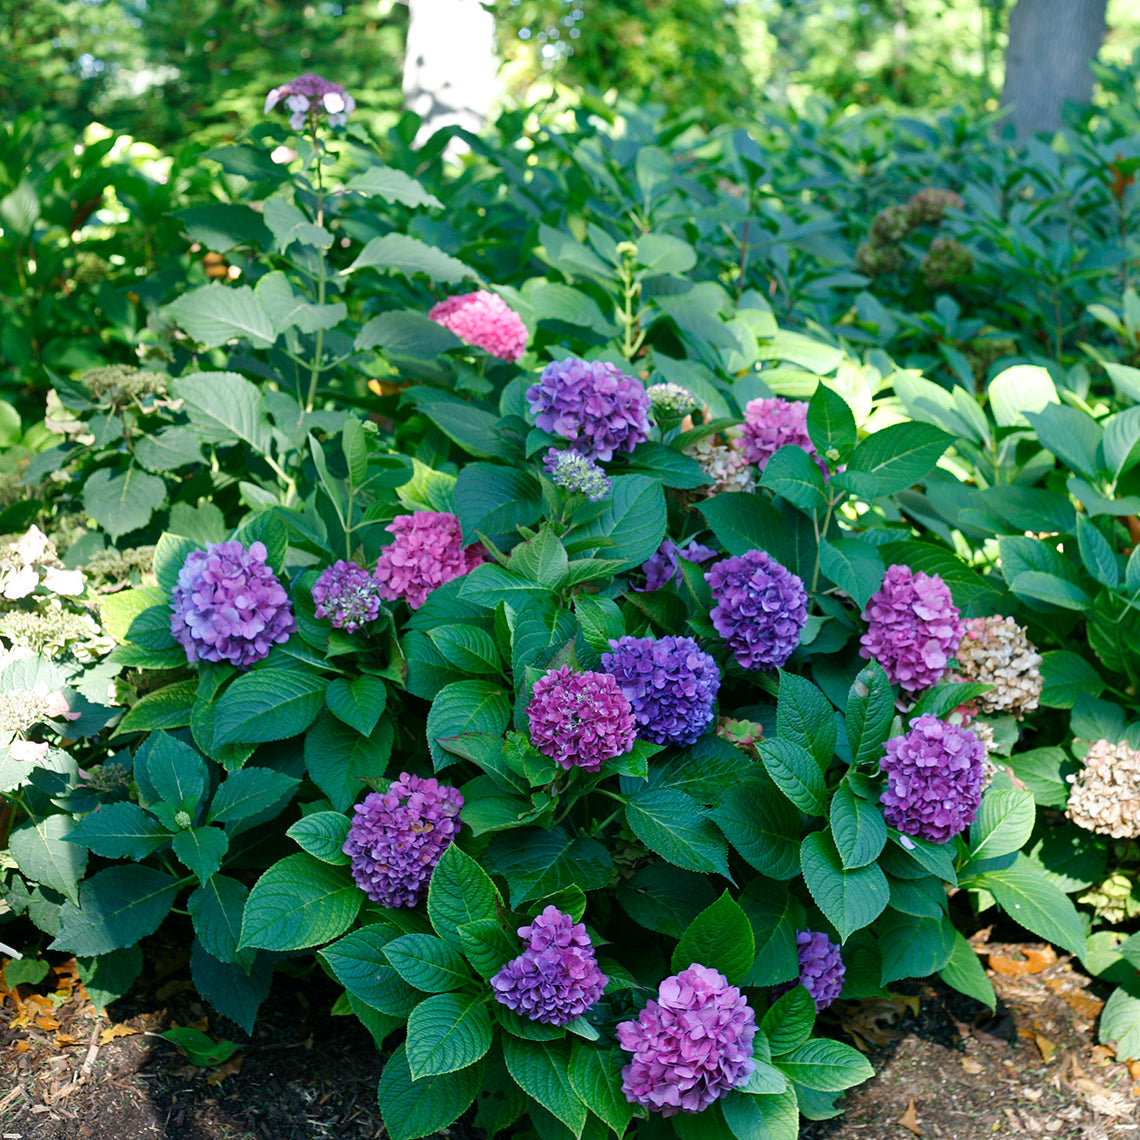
(541, 1070)
(462, 707)
(43, 853)
(268, 704)
(460, 892)
(122, 501)
(674, 825)
(633, 520)
(720, 937)
(428, 963)
(893, 459)
(119, 831)
(409, 255)
(538, 863)
(117, 907)
(411, 1109)
(299, 902)
(849, 899)
(358, 962)
(215, 314)
(223, 407)
(216, 907)
(447, 1032)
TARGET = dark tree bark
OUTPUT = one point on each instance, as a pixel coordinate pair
(1051, 44)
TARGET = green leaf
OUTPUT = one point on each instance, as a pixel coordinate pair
(788, 1023)
(268, 704)
(410, 256)
(857, 827)
(1020, 389)
(359, 964)
(287, 309)
(172, 772)
(795, 772)
(411, 1109)
(122, 501)
(744, 522)
(202, 849)
(117, 907)
(539, 863)
(763, 828)
(543, 1072)
(223, 407)
(595, 1075)
(896, 457)
(119, 831)
(965, 973)
(826, 1065)
(299, 902)
(475, 430)
(831, 424)
(428, 963)
(1043, 772)
(447, 1032)
(359, 703)
(1122, 442)
(792, 473)
(1066, 676)
(541, 559)
(107, 977)
(805, 717)
(1120, 1023)
(633, 520)
(772, 1117)
(393, 185)
(486, 945)
(168, 450)
(1037, 586)
(467, 647)
(339, 760)
(215, 314)
(199, 1048)
(775, 915)
(406, 333)
(1003, 824)
(674, 826)
(855, 566)
(870, 713)
(221, 226)
(216, 908)
(494, 500)
(322, 834)
(664, 898)
(43, 854)
(1096, 553)
(913, 946)
(291, 224)
(720, 937)
(463, 707)
(460, 892)
(850, 900)
(248, 793)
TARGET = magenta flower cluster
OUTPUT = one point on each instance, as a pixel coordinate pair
(934, 776)
(913, 627)
(556, 978)
(580, 720)
(821, 968)
(664, 567)
(485, 320)
(761, 608)
(428, 551)
(347, 595)
(690, 1046)
(670, 682)
(593, 404)
(577, 474)
(310, 96)
(774, 423)
(396, 838)
(229, 606)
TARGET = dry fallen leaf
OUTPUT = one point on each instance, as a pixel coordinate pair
(1034, 961)
(1134, 1069)
(909, 1119)
(1101, 1099)
(226, 1069)
(1046, 1047)
(971, 1066)
(109, 1035)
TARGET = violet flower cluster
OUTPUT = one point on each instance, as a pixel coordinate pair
(690, 1046)
(670, 682)
(664, 567)
(821, 968)
(774, 423)
(308, 97)
(761, 608)
(428, 552)
(556, 978)
(593, 404)
(485, 320)
(229, 606)
(935, 774)
(913, 627)
(580, 720)
(577, 474)
(347, 595)
(397, 837)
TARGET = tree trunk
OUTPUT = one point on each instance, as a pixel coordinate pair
(1051, 44)
(449, 64)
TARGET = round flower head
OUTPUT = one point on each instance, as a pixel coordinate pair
(1106, 792)
(579, 720)
(556, 978)
(761, 608)
(690, 1046)
(347, 595)
(592, 404)
(396, 838)
(670, 682)
(308, 97)
(774, 423)
(229, 606)
(821, 969)
(935, 775)
(485, 320)
(913, 627)
(995, 651)
(664, 567)
(428, 551)
(575, 473)
(671, 401)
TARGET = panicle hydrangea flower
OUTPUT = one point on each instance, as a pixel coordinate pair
(671, 401)
(690, 1046)
(663, 567)
(761, 608)
(428, 551)
(229, 606)
(577, 474)
(310, 96)
(996, 651)
(671, 682)
(821, 968)
(580, 720)
(347, 595)
(396, 838)
(556, 978)
(485, 320)
(774, 423)
(935, 774)
(913, 629)
(1106, 792)
(593, 404)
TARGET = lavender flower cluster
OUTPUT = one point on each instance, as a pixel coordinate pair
(580, 720)
(577, 474)
(664, 567)
(308, 97)
(428, 551)
(821, 968)
(347, 595)
(485, 320)
(774, 423)
(556, 978)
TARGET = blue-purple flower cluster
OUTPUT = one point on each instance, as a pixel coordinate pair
(821, 968)
(664, 567)
(347, 595)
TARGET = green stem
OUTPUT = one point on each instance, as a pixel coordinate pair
(322, 272)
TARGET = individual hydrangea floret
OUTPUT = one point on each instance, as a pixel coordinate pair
(670, 682)
(347, 595)
(671, 401)
(821, 968)
(774, 423)
(664, 567)
(913, 627)
(556, 978)
(935, 774)
(310, 96)
(761, 608)
(427, 552)
(580, 720)
(229, 606)
(1106, 792)
(996, 651)
(593, 404)
(577, 474)
(397, 837)
(690, 1046)
(726, 466)
(485, 320)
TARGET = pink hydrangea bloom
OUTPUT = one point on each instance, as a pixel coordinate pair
(774, 423)
(485, 320)
(580, 720)
(428, 551)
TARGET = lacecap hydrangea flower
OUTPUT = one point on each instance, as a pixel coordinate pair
(761, 608)
(580, 720)
(913, 627)
(577, 474)
(347, 595)
(671, 401)
(593, 404)
(663, 567)
(485, 320)
(310, 96)
(690, 1046)
(397, 837)
(556, 978)
(671, 682)
(428, 551)
(229, 606)
(935, 775)
(821, 968)
(774, 423)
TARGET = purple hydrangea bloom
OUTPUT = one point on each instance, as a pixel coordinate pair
(577, 474)
(593, 404)
(761, 608)
(671, 682)
(934, 776)
(229, 606)
(397, 837)
(913, 627)
(821, 968)
(580, 720)
(556, 978)
(347, 595)
(428, 551)
(308, 97)
(663, 567)
(774, 423)
(690, 1046)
